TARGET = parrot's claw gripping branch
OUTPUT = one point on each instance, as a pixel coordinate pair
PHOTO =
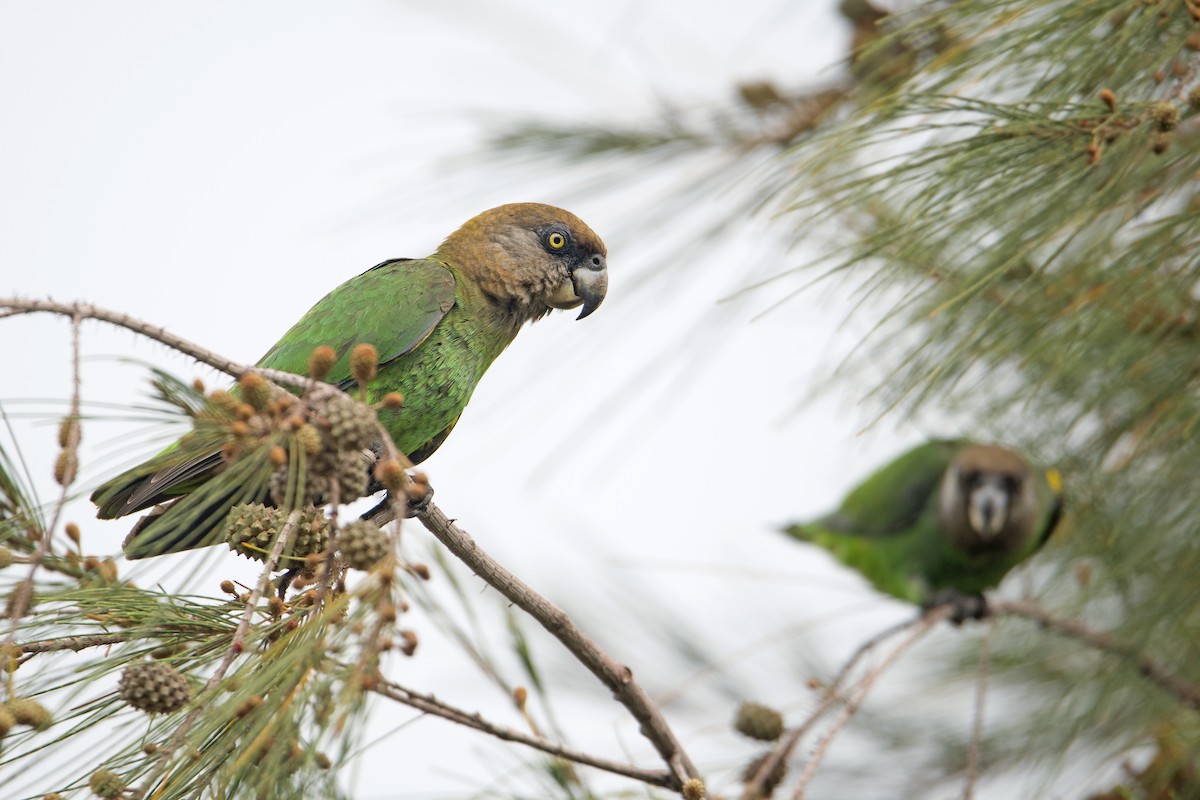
(963, 606)
(418, 507)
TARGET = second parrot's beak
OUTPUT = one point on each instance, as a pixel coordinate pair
(987, 510)
(589, 284)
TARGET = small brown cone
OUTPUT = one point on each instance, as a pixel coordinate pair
(1165, 114)
(759, 722)
(29, 712)
(364, 363)
(106, 784)
(320, 361)
(391, 474)
(256, 390)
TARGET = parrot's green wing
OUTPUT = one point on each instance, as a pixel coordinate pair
(393, 306)
(894, 497)
(872, 530)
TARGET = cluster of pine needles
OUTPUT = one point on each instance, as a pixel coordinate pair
(258, 691)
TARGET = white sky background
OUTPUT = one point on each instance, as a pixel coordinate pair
(216, 167)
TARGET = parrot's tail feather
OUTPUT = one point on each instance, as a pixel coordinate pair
(803, 532)
(197, 519)
(173, 481)
(112, 497)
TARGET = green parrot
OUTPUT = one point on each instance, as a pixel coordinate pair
(438, 323)
(942, 522)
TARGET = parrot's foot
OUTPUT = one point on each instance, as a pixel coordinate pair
(384, 512)
(962, 606)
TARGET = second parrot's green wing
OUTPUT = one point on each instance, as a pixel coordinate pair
(894, 497)
(393, 306)
(874, 530)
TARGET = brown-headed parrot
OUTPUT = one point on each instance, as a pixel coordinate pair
(438, 323)
(942, 522)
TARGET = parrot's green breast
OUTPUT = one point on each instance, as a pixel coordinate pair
(436, 379)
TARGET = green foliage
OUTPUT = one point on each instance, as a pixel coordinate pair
(1043, 244)
(295, 689)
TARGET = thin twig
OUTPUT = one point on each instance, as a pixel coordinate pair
(80, 311)
(22, 595)
(75, 643)
(922, 626)
(975, 745)
(617, 677)
(1185, 690)
(431, 705)
(236, 646)
(755, 788)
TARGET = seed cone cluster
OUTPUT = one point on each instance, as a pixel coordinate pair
(351, 425)
(759, 722)
(341, 428)
(312, 440)
(346, 466)
(362, 544)
(153, 687)
(250, 530)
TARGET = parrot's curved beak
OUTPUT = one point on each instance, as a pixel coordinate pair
(987, 510)
(589, 284)
(590, 279)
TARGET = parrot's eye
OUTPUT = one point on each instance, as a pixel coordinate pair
(556, 241)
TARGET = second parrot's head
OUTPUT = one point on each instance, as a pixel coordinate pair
(990, 490)
(530, 258)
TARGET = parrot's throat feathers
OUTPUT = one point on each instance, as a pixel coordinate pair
(513, 274)
(516, 304)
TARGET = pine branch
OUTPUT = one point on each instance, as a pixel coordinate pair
(617, 677)
(1185, 690)
(756, 786)
(923, 625)
(431, 705)
(75, 643)
(11, 306)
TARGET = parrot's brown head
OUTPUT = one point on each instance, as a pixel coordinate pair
(988, 499)
(530, 258)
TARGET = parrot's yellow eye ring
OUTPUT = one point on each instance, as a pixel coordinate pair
(556, 241)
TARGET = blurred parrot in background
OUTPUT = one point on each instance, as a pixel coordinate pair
(437, 323)
(942, 522)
